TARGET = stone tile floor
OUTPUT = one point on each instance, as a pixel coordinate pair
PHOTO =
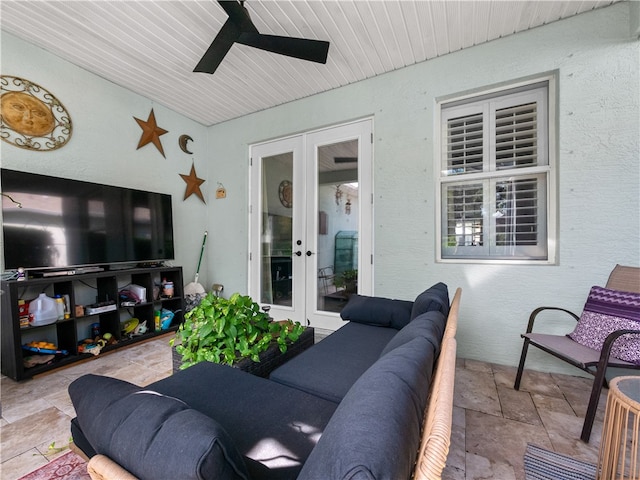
(492, 423)
(37, 412)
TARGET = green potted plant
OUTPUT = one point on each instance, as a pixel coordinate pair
(226, 331)
(348, 281)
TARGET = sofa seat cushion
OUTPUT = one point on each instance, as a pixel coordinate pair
(435, 297)
(332, 366)
(429, 325)
(274, 427)
(153, 435)
(375, 432)
(379, 311)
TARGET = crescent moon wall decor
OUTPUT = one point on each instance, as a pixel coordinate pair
(182, 141)
(31, 116)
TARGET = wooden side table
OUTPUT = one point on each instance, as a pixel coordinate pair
(619, 450)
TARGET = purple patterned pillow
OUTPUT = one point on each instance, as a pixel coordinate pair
(606, 311)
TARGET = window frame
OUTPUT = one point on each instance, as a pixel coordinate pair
(461, 104)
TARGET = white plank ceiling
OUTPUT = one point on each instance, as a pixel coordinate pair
(151, 47)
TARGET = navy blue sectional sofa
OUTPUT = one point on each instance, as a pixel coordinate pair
(352, 406)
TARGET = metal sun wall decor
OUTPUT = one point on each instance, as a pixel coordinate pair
(285, 192)
(32, 117)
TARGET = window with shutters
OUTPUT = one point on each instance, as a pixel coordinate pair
(495, 176)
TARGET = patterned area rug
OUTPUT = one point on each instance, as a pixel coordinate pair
(66, 467)
(541, 464)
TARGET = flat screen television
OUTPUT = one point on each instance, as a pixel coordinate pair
(70, 223)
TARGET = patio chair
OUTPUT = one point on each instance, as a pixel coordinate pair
(594, 362)
(326, 276)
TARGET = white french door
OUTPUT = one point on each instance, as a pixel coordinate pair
(311, 217)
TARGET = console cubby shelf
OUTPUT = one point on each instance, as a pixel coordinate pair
(81, 290)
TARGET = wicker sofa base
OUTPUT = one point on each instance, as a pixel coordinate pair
(270, 359)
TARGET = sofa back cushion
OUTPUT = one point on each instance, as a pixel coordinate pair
(152, 435)
(378, 311)
(435, 297)
(429, 325)
(375, 431)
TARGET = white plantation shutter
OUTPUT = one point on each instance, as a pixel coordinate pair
(516, 136)
(464, 214)
(464, 144)
(520, 205)
(500, 143)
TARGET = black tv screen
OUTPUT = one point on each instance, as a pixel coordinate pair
(68, 223)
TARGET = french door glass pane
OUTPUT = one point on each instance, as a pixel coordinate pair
(276, 232)
(337, 228)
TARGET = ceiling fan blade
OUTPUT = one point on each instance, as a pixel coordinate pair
(345, 159)
(303, 48)
(228, 34)
(239, 28)
(239, 15)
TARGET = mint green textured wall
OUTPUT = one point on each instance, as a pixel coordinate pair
(103, 146)
(596, 63)
(597, 66)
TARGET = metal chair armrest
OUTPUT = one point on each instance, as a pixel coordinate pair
(600, 380)
(538, 310)
(608, 344)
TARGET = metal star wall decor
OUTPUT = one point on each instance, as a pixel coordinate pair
(151, 132)
(193, 184)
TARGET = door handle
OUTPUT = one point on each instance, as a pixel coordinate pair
(309, 253)
(298, 253)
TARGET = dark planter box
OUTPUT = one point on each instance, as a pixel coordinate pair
(270, 359)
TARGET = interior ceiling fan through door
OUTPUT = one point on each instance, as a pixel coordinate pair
(239, 28)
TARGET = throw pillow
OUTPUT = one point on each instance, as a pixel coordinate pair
(152, 435)
(377, 311)
(435, 297)
(604, 312)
